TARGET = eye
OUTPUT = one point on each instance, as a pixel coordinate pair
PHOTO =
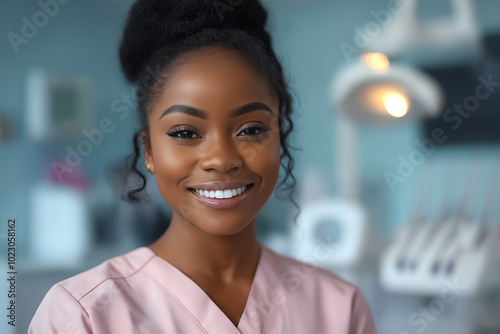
(186, 132)
(182, 133)
(255, 130)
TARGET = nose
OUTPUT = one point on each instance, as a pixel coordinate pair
(221, 154)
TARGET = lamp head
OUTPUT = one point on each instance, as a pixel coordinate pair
(374, 91)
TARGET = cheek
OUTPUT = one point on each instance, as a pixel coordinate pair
(263, 158)
(172, 165)
(172, 162)
(273, 162)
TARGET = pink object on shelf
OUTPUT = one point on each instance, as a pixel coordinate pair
(60, 173)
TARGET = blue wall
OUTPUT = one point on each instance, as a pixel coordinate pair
(82, 38)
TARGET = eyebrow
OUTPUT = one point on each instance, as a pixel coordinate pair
(180, 108)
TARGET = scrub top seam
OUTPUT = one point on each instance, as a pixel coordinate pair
(118, 277)
(77, 300)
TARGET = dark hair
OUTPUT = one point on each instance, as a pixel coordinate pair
(161, 35)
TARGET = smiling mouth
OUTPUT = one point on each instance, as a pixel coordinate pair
(221, 194)
(221, 200)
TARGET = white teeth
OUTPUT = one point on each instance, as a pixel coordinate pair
(228, 193)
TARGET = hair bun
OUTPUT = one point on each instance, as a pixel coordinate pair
(153, 24)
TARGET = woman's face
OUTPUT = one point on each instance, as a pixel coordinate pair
(198, 136)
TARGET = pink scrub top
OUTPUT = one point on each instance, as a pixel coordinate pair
(141, 293)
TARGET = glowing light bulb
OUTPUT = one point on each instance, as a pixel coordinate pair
(376, 60)
(396, 104)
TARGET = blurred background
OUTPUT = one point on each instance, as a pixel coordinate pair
(398, 119)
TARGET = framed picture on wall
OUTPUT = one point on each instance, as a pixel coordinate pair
(59, 105)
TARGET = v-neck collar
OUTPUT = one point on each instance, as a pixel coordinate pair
(196, 301)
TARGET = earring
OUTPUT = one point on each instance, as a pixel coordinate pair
(149, 169)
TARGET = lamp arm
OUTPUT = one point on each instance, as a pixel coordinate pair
(347, 144)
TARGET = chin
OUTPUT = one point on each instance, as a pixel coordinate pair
(222, 226)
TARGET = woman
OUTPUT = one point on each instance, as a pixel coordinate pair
(215, 114)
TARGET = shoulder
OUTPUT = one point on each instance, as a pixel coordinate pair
(293, 274)
(119, 267)
(63, 308)
(59, 309)
(335, 302)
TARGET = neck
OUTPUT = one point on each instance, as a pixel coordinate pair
(222, 258)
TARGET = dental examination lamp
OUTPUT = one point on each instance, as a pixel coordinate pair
(373, 91)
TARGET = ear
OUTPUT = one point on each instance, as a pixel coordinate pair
(148, 154)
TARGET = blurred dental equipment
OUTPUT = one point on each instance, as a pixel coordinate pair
(328, 226)
(421, 244)
(457, 246)
(442, 41)
(425, 252)
(373, 91)
(377, 91)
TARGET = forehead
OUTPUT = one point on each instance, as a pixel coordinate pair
(220, 79)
